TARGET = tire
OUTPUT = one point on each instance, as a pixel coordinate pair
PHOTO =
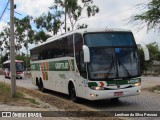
(115, 99)
(73, 96)
(40, 86)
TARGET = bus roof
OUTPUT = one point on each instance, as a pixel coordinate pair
(82, 31)
(8, 61)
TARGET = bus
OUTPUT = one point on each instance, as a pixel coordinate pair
(93, 64)
(19, 69)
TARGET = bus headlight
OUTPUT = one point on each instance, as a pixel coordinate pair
(137, 84)
(97, 88)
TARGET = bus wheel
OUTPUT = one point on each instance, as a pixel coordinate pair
(40, 86)
(73, 96)
(115, 99)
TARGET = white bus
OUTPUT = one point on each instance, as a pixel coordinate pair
(87, 63)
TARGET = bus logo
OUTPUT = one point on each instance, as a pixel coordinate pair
(118, 85)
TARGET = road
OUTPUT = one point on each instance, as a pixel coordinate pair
(147, 82)
(147, 101)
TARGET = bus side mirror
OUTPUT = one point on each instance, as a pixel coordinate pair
(146, 52)
(86, 53)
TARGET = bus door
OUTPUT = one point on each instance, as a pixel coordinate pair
(82, 79)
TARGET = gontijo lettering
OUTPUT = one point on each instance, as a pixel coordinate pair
(61, 65)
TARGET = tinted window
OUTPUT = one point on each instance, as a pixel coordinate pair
(109, 39)
(62, 47)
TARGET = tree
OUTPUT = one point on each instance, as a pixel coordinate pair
(5, 40)
(75, 11)
(143, 64)
(23, 35)
(24, 32)
(154, 51)
(53, 21)
(50, 22)
(151, 16)
(154, 55)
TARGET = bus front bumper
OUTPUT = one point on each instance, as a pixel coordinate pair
(107, 94)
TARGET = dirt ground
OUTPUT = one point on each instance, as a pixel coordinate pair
(35, 100)
(54, 103)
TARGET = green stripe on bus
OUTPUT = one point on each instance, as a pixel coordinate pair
(116, 82)
(35, 67)
(124, 82)
(90, 84)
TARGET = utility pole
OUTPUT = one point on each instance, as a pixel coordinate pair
(12, 50)
(27, 54)
(65, 15)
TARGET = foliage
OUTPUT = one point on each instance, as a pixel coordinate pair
(50, 22)
(25, 59)
(75, 11)
(4, 57)
(5, 92)
(4, 40)
(154, 51)
(53, 21)
(24, 32)
(151, 16)
(23, 35)
(41, 36)
(143, 64)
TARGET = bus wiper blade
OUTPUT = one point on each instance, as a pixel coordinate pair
(125, 69)
(111, 67)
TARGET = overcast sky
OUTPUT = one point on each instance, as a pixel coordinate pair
(113, 14)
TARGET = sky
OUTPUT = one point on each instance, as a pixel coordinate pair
(112, 14)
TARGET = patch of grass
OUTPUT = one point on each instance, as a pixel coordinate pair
(5, 93)
(156, 89)
(18, 99)
(33, 101)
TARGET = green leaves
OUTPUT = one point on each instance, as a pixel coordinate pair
(41, 36)
(151, 16)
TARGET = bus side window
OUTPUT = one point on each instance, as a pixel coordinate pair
(82, 66)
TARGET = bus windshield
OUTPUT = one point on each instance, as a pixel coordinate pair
(109, 39)
(112, 56)
(19, 66)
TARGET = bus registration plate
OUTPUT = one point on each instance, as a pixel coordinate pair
(118, 93)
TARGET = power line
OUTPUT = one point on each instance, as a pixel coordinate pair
(4, 10)
(3, 5)
(15, 12)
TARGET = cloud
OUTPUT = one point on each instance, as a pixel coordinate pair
(2, 24)
(33, 7)
(113, 14)
(116, 14)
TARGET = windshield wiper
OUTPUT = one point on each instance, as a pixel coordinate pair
(125, 69)
(111, 67)
(120, 64)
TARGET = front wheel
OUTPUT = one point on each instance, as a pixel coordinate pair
(74, 98)
(115, 99)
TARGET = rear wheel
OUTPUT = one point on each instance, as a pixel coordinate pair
(73, 96)
(40, 86)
